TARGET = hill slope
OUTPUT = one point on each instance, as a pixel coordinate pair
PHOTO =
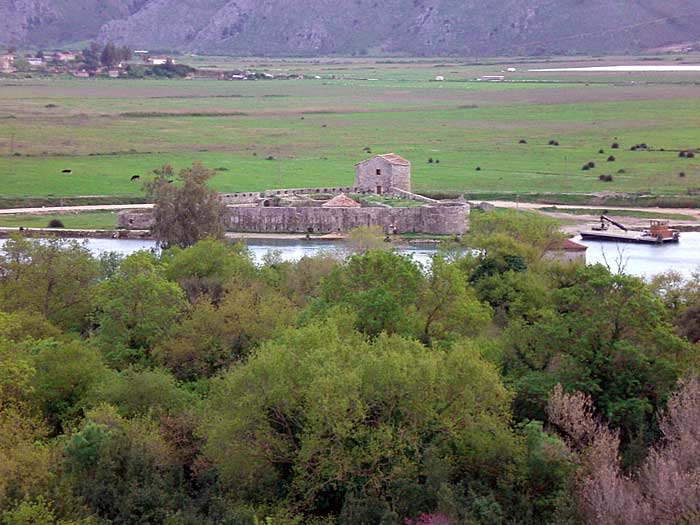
(417, 27)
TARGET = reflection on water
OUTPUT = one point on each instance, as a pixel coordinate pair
(635, 259)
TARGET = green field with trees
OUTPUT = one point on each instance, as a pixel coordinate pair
(67, 137)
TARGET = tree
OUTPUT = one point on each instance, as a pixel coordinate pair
(212, 337)
(123, 469)
(205, 268)
(134, 309)
(65, 374)
(187, 211)
(109, 56)
(664, 489)
(503, 233)
(380, 287)
(54, 278)
(449, 308)
(137, 393)
(321, 414)
(92, 56)
(609, 337)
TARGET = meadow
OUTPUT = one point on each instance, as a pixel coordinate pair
(77, 137)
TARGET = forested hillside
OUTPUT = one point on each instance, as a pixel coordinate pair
(194, 387)
(312, 27)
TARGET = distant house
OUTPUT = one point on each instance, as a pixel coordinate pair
(81, 74)
(568, 251)
(113, 73)
(491, 78)
(159, 60)
(439, 78)
(6, 62)
(64, 56)
(35, 62)
(383, 173)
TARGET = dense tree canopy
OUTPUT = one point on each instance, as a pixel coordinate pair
(194, 386)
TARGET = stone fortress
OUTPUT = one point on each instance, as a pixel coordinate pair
(330, 210)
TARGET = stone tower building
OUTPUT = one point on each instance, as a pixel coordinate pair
(382, 173)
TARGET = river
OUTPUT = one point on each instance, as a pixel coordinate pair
(635, 259)
(659, 68)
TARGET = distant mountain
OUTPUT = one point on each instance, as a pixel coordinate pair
(321, 27)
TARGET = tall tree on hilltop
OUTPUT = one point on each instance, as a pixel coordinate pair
(186, 209)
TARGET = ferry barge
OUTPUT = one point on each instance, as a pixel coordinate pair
(659, 232)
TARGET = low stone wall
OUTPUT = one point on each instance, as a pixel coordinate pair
(135, 220)
(443, 219)
(231, 199)
(398, 192)
(240, 198)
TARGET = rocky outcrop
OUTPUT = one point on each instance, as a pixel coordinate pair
(313, 27)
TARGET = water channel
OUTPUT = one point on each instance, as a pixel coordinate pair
(636, 259)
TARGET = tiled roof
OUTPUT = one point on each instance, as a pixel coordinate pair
(341, 201)
(570, 246)
(392, 158)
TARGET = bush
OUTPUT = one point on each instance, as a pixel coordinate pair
(56, 223)
(689, 155)
(522, 141)
(611, 158)
(621, 171)
(601, 151)
(478, 168)
(682, 154)
(606, 178)
(585, 167)
(615, 145)
(553, 143)
(430, 160)
(591, 164)
(682, 174)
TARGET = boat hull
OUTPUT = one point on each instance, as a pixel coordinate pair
(628, 237)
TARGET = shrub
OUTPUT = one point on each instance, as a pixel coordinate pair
(591, 164)
(621, 171)
(56, 223)
(478, 168)
(269, 157)
(682, 154)
(601, 151)
(611, 158)
(522, 141)
(437, 161)
(690, 155)
(615, 145)
(430, 160)
(606, 178)
(585, 167)
(682, 174)
(553, 142)
(633, 148)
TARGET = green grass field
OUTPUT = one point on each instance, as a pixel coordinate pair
(106, 131)
(82, 221)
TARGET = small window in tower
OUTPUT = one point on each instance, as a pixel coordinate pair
(379, 172)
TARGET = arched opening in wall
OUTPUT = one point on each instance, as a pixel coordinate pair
(266, 203)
